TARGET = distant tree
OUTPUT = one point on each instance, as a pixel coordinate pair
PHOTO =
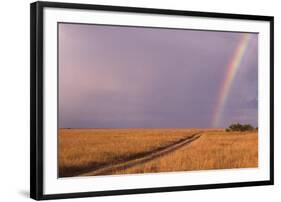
(235, 127)
(239, 127)
(247, 127)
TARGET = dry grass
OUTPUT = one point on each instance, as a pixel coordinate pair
(84, 150)
(213, 150)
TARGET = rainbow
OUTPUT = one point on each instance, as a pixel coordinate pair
(228, 79)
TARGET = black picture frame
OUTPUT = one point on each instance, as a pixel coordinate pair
(36, 98)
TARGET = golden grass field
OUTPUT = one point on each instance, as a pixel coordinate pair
(85, 150)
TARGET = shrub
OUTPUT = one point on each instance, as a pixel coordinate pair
(240, 127)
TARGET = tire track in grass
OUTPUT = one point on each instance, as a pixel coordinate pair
(145, 158)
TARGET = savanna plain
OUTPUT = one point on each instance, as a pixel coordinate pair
(91, 152)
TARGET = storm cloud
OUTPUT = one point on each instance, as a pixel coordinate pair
(132, 77)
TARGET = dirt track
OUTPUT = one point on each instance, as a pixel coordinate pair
(145, 158)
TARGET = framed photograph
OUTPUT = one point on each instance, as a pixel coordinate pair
(129, 100)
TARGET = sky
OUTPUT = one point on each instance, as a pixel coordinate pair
(136, 77)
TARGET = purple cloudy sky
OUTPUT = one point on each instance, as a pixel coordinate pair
(126, 77)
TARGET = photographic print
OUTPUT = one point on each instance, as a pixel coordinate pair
(128, 100)
(145, 100)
